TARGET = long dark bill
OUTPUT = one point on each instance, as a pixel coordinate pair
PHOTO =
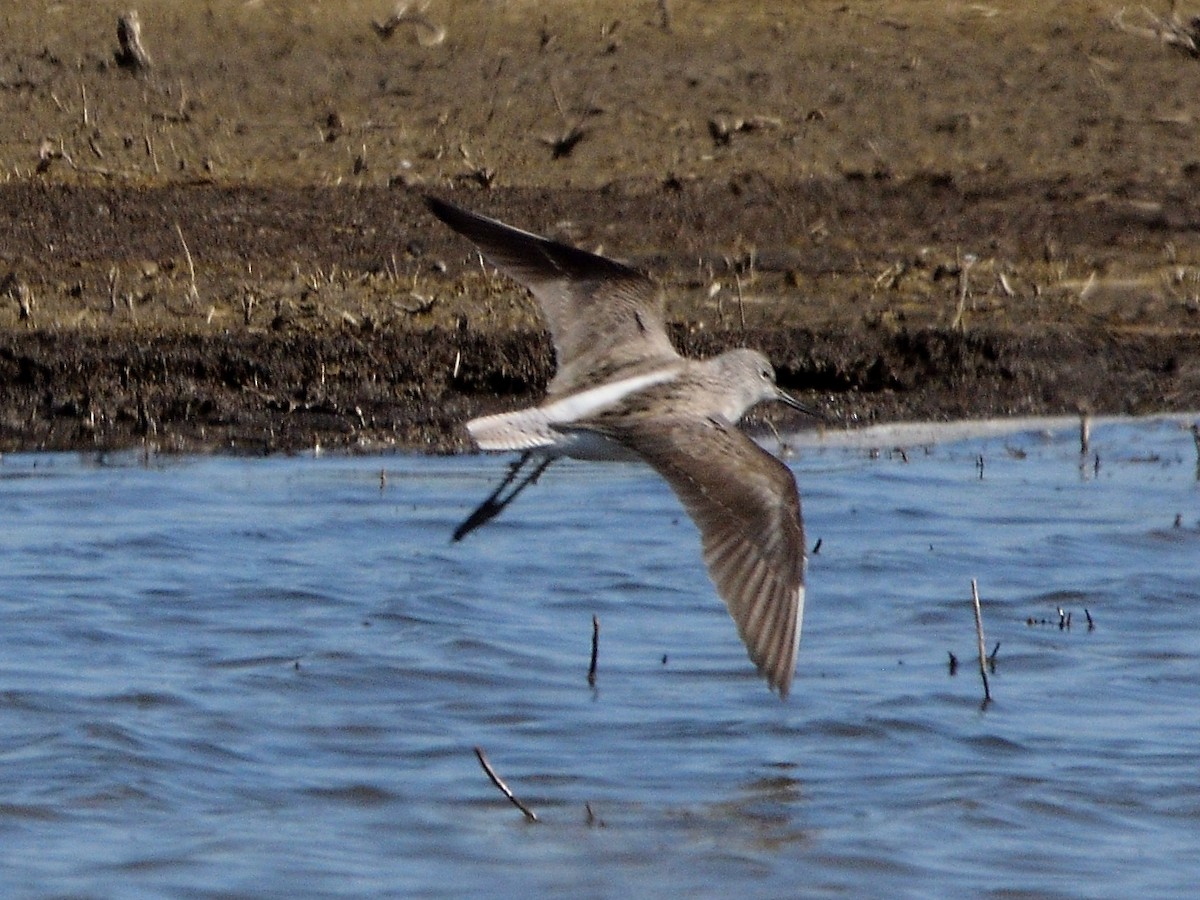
(788, 400)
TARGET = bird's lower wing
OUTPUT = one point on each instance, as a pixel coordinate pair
(747, 507)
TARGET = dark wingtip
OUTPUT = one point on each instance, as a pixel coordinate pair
(482, 230)
(779, 684)
(514, 249)
(444, 210)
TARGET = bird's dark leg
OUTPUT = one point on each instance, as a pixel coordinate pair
(496, 502)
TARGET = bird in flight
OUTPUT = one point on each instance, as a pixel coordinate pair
(622, 391)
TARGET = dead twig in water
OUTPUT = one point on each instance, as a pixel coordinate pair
(987, 693)
(595, 650)
(1196, 440)
(499, 783)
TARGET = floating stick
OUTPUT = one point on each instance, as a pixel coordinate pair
(987, 693)
(595, 650)
(499, 783)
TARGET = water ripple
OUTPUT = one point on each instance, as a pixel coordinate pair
(218, 675)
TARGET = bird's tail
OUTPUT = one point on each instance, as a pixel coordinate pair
(524, 429)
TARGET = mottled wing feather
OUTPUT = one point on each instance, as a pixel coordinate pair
(747, 507)
(605, 318)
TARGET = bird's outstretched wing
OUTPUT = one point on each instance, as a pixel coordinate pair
(747, 507)
(605, 318)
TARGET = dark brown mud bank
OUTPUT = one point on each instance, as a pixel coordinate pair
(205, 317)
(261, 393)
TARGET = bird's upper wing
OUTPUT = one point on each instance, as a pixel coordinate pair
(747, 507)
(605, 318)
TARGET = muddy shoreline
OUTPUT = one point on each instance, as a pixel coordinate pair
(329, 338)
(260, 394)
(236, 258)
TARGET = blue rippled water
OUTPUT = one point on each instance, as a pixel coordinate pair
(265, 678)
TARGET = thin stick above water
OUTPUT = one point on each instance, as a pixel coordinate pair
(499, 783)
(595, 650)
(987, 694)
(1196, 438)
